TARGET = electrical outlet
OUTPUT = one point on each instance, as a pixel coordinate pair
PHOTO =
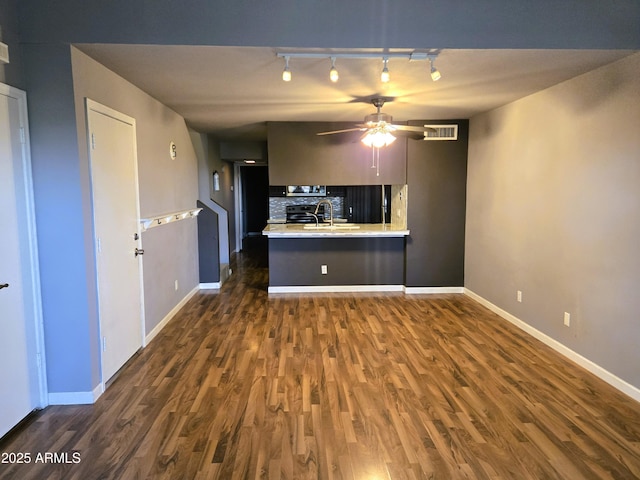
(519, 296)
(567, 319)
(323, 269)
(176, 285)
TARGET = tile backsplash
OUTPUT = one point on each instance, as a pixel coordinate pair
(277, 205)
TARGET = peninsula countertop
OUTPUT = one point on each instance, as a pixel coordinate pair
(297, 230)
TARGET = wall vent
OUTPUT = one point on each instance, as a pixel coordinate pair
(441, 132)
(4, 53)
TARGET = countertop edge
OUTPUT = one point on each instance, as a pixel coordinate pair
(365, 230)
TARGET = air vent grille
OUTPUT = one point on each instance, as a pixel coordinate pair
(4, 53)
(441, 132)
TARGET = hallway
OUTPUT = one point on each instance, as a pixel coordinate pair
(241, 384)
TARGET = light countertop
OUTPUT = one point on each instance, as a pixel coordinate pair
(297, 230)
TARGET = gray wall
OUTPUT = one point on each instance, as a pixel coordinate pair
(165, 185)
(553, 210)
(335, 23)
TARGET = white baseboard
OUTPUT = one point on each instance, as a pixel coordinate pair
(432, 290)
(76, 398)
(335, 288)
(210, 286)
(585, 363)
(156, 330)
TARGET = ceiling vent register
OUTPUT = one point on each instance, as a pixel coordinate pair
(441, 132)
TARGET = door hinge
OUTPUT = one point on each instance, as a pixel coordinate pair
(104, 344)
(93, 141)
(23, 136)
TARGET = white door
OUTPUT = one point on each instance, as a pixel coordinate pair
(114, 181)
(22, 386)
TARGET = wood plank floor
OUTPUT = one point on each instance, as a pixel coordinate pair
(355, 386)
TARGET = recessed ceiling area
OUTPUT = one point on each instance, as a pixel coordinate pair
(231, 92)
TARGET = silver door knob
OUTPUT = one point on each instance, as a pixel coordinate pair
(139, 251)
(4, 285)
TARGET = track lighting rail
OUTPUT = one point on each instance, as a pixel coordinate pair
(384, 56)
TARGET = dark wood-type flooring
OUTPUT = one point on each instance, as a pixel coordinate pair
(241, 384)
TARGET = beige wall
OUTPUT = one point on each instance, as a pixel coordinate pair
(171, 251)
(553, 210)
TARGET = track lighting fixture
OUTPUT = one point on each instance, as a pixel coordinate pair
(286, 73)
(333, 73)
(384, 76)
(435, 73)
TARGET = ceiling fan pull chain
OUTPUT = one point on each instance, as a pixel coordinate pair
(373, 158)
(377, 162)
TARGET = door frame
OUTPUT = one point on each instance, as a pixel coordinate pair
(110, 112)
(34, 292)
(239, 205)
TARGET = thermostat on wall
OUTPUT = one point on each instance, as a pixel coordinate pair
(173, 151)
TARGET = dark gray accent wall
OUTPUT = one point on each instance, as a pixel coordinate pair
(350, 261)
(11, 73)
(339, 24)
(208, 245)
(436, 179)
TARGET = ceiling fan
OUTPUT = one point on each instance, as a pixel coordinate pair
(379, 131)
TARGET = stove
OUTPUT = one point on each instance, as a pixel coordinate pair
(304, 214)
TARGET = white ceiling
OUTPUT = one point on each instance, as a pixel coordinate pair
(232, 91)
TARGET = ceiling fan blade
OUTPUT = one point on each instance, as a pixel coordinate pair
(340, 131)
(410, 128)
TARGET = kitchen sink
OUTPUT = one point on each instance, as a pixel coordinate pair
(339, 226)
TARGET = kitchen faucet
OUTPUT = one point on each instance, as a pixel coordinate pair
(330, 209)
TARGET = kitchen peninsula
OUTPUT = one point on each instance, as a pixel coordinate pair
(343, 257)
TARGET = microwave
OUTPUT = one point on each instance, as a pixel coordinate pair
(306, 191)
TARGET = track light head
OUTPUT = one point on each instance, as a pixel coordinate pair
(435, 73)
(286, 73)
(385, 76)
(333, 73)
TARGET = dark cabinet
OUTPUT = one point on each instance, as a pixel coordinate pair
(277, 190)
(298, 156)
(336, 191)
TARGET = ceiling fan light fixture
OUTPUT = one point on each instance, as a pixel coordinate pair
(286, 73)
(385, 76)
(333, 73)
(435, 73)
(378, 139)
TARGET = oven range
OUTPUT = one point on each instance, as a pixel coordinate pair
(304, 214)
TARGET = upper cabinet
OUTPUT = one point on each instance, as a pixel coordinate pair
(298, 156)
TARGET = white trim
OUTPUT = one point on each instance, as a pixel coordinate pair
(210, 286)
(597, 370)
(156, 330)
(335, 288)
(432, 290)
(76, 398)
(32, 240)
